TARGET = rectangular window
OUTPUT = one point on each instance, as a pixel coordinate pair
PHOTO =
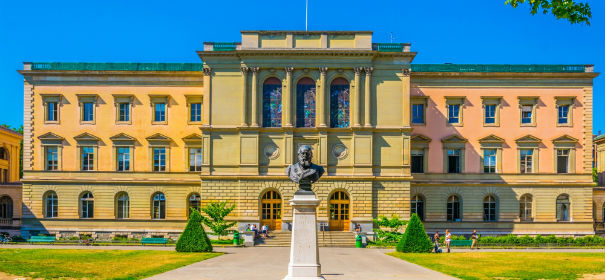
(453, 113)
(124, 113)
(526, 114)
(123, 159)
(418, 113)
(490, 114)
(159, 114)
(526, 160)
(453, 161)
(417, 161)
(563, 114)
(52, 111)
(52, 158)
(159, 159)
(489, 161)
(195, 159)
(562, 161)
(88, 111)
(196, 112)
(88, 158)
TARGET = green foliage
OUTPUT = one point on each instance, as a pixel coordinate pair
(512, 240)
(194, 238)
(216, 212)
(595, 175)
(414, 239)
(388, 229)
(561, 9)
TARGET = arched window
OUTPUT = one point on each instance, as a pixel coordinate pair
(123, 206)
(6, 208)
(272, 102)
(563, 208)
(194, 202)
(339, 103)
(525, 208)
(603, 212)
(489, 209)
(418, 206)
(158, 206)
(305, 103)
(453, 209)
(51, 205)
(87, 205)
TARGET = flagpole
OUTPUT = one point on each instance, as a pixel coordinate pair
(306, 14)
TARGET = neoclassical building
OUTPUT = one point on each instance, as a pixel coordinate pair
(10, 187)
(127, 148)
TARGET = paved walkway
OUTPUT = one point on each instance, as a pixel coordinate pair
(269, 263)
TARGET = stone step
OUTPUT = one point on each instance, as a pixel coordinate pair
(324, 239)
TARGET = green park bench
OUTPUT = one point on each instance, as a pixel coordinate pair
(42, 239)
(461, 242)
(154, 240)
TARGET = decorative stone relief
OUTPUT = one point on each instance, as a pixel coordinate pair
(271, 151)
(340, 151)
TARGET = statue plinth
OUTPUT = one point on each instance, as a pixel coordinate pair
(304, 252)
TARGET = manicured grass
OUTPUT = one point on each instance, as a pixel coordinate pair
(93, 264)
(511, 265)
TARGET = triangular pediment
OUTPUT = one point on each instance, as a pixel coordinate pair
(192, 137)
(159, 137)
(86, 137)
(421, 138)
(491, 139)
(50, 136)
(454, 139)
(528, 139)
(122, 137)
(565, 139)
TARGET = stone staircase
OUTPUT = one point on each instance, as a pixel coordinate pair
(324, 238)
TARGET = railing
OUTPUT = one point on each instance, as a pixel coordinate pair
(6, 221)
(86, 66)
(388, 47)
(517, 68)
(224, 46)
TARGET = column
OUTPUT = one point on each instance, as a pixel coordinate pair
(254, 98)
(206, 96)
(367, 94)
(405, 87)
(244, 97)
(287, 99)
(357, 101)
(321, 97)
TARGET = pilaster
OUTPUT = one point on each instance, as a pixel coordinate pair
(254, 98)
(206, 91)
(587, 124)
(367, 94)
(357, 98)
(321, 97)
(405, 87)
(244, 105)
(28, 121)
(287, 99)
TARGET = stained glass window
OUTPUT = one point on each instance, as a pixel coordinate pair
(305, 103)
(272, 103)
(339, 103)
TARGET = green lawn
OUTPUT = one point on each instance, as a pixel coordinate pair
(512, 265)
(93, 264)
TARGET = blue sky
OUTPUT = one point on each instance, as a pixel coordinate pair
(471, 31)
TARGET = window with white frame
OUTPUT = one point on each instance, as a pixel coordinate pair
(87, 158)
(195, 158)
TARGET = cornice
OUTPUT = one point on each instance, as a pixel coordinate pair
(490, 75)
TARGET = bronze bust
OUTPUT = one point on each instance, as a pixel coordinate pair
(304, 172)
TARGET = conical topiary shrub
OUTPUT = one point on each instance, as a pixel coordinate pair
(414, 239)
(194, 238)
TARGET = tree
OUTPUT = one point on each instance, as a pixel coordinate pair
(414, 239)
(216, 212)
(392, 234)
(562, 9)
(194, 238)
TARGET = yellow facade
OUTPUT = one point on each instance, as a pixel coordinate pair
(10, 187)
(74, 155)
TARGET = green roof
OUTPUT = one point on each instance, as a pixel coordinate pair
(107, 66)
(513, 68)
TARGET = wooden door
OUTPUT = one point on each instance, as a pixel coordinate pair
(271, 210)
(339, 211)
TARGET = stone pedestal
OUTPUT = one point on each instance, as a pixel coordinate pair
(304, 253)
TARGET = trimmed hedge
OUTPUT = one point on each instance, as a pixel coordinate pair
(194, 238)
(414, 239)
(525, 240)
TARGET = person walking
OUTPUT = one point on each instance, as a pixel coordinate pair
(475, 238)
(448, 239)
(436, 241)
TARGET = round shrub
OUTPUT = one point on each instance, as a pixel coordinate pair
(414, 239)
(194, 238)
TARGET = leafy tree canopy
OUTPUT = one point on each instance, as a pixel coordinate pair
(216, 212)
(562, 9)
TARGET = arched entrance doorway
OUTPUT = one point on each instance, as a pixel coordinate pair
(339, 211)
(270, 205)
